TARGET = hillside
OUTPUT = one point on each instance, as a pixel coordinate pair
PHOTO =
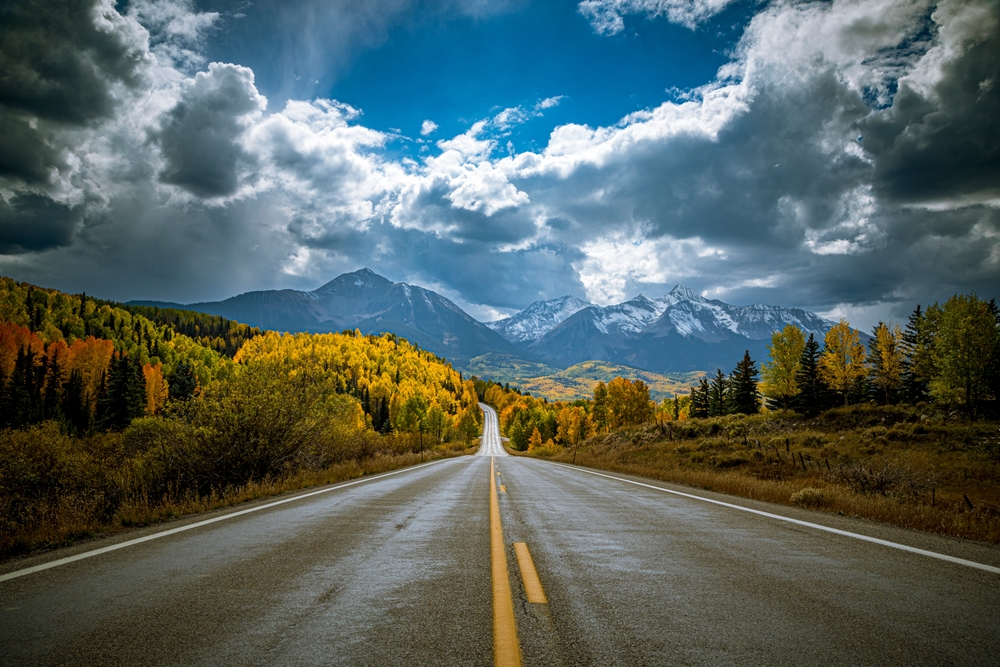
(110, 418)
(577, 381)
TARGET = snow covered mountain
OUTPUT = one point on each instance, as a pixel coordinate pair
(538, 319)
(680, 331)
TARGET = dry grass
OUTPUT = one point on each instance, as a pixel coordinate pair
(908, 467)
(73, 516)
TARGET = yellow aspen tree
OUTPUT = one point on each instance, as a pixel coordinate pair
(157, 389)
(843, 360)
(535, 440)
(778, 378)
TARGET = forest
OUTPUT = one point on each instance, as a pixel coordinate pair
(115, 416)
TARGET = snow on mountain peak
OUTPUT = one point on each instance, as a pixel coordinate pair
(538, 319)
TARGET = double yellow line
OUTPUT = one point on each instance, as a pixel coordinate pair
(506, 650)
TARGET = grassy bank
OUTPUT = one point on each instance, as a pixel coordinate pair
(913, 467)
(55, 491)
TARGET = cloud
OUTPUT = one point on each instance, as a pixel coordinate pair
(845, 159)
(607, 16)
(30, 223)
(428, 127)
(64, 67)
(201, 136)
(549, 102)
(177, 29)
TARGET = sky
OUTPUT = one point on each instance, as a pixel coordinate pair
(842, 157)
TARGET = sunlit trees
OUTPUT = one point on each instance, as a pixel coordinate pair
(628, 403)
(966, 347)
(535, 441)
(779, 378)
(842, 362)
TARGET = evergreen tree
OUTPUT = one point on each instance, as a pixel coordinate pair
(183, 382)
(719, 403)
(744, 392)
(813, 396)
(75, 405)
(917, 361)
(125, 398)
(52, 398)
(699, 399)
(23, 395)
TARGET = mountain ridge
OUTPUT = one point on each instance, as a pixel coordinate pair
(681, 331)
(366, 301)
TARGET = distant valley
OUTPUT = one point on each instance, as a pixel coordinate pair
(556, 348)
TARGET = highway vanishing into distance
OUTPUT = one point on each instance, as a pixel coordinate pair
(494, 559)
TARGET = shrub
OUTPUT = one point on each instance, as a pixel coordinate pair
(810, 497)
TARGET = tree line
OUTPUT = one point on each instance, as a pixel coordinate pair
(948, 353)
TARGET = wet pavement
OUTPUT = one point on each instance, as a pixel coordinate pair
(396, 571)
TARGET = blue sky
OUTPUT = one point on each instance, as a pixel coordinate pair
(839, 156)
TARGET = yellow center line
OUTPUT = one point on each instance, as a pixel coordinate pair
(506, 651)
(532, 584)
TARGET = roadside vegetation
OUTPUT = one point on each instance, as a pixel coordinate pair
(902, 430)
(112, 418)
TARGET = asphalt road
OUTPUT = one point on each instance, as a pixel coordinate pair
(396, 570)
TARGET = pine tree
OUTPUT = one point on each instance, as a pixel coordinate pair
(917, 358)
(812, 397)
(699, 400)
(75, 405)
(744, 392)
(183, 382)
(52, 398)
(23, 395)
(125, 398)
(719, 395)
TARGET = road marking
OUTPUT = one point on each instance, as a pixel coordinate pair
(506, 651)
(199, 524)
(529, 575)
(503, 489)
(807, 524)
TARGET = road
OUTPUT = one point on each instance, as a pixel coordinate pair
(399, 570)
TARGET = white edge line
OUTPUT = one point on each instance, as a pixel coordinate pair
(836, 531)
(173, 531)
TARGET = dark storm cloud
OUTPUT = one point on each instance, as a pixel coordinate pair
(947, 146)
(201, 136)
(30, 223)
(57, 69)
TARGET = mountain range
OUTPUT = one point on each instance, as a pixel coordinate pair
(366, 301)
(681, 331)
